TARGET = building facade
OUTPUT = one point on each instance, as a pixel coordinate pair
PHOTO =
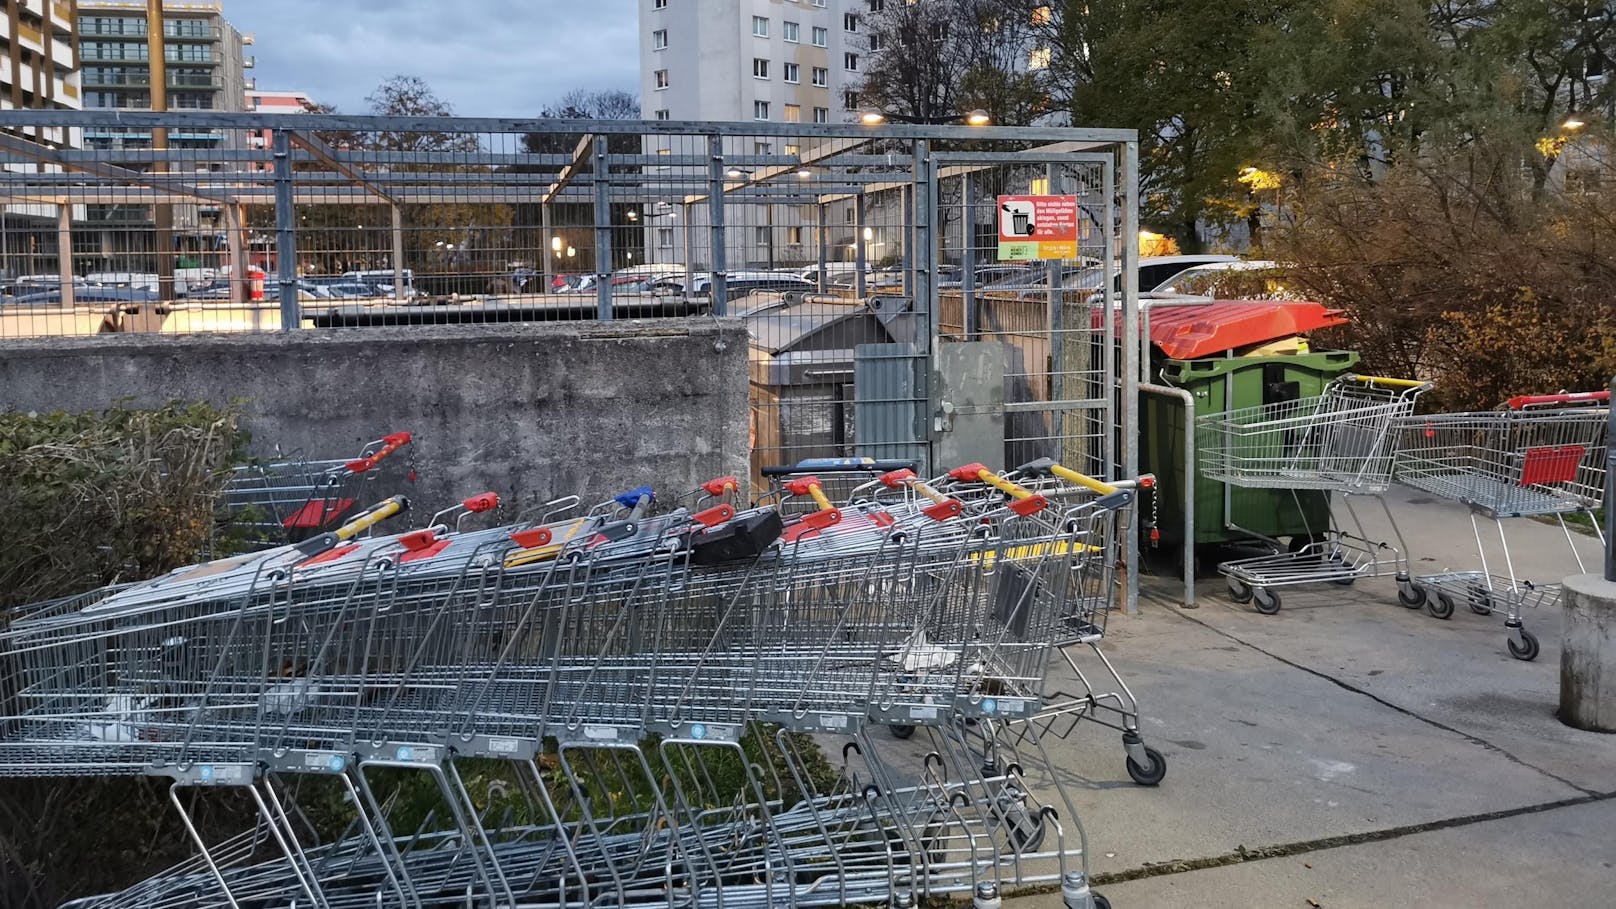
(203, 53)
(39, 69)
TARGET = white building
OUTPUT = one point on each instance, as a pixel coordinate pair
(774, 61)
(785, 61)
(39, 69)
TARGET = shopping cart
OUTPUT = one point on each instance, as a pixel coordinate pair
(294, 497)
(1535, 456)
(1338, 442)
(614, 663)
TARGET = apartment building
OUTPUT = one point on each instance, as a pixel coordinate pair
(204, 56)
(774, 61)
(39, 70)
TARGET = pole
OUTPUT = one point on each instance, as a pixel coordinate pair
(398, 253)
(547, 272)
(603, 234)
(824, 252)
(163, 212)
(968, 317)
(1130, 347)
(687, 235)
(1188, 399)
(860, 255)
(1610, 492)
(715, 201)
(285, 232)
(233, 226)
(64, 254)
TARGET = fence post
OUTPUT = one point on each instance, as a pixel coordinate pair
(398, 252)
(860, 245)
(603, 232)
(1130, 348)
(823, 228)
(286, 232)
(1610, 490)
(715, 203)
(968, 259)
(64, 251)
(921, 272)
(549, 252)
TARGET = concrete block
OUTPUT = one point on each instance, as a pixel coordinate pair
(1588, 654)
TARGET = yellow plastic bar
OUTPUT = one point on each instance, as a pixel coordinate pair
(1383, 380)
(936, 497)
(372, 517)
(1003, 485)
(1087, 482)
(818, 493)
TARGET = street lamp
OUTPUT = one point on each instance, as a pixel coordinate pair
(555, 245)
(1573, 124)
(977, 117)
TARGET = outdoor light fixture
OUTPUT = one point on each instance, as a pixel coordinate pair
(555, 245)
(735, 173)
(978, 117)
(634, 216)
(571, 252)
(805, 172)
(868, 234)
(1573, 123)
(873, 118)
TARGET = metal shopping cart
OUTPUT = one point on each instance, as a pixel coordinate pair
(614, 671)
(295, 497)
(1535, 456)
(1340, 443)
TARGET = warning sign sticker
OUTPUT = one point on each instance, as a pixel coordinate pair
(1037, 227)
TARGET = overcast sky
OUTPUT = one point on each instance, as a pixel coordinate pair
(485, 57)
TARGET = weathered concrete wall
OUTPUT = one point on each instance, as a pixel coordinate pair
(529, 411)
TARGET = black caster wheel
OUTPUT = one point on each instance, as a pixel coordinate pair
(1100, 902)
(1481, 601)
(1442, 606)
(1239, 591)
(900, 731)
(1413, 596)
(1266, 601)
(1527, 651)
(1152, 774)
(1346, 582)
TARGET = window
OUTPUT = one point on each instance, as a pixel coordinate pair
(762, 148)
(850, 62)
(661, 78)
(850, 22)
(850, 100)
(791, 32)
(760, 26)
(760, 68)
(662, 114)
(659, 4)
(659, 39)
(793, 114)
(794, 236)
(664, 237)
(821, 115)
(790, 72)
(760, 110)
(821, 76)
(793, 149)
(821, 36)
(1038, 59)
(762, 234)
(875, 42)
(819, 2)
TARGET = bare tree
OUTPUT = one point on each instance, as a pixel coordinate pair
(938, 60)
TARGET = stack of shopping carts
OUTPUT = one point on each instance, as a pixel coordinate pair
(1534, 457)
(295, 497)
(1341, 443)
(610, 669)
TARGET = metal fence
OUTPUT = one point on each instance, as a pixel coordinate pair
(864, 259)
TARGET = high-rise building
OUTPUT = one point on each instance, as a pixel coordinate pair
(778, 60)
(39, 65)
(203, 54)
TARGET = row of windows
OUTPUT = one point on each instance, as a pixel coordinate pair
(792, 31)
(792, 72)
(792, 113)
(663, 4)
(123, 50)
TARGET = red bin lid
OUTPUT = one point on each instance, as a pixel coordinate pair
(1185, 331)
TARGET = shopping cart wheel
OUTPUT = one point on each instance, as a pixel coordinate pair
(1100, 902)
(1152, 774)
(1411, 595)
(1239, 591)
(1266, 601)
(900, 731)
(1480, 600)
(1442, 606)
(1528, 649)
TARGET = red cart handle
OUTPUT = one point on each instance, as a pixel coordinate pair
(827, 514)
(721, 486)
(488, 501)
(941, 508)
(1520, 401)
(390, 444)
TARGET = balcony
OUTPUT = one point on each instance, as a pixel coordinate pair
(113, 53)
(194, 85)
(173, 32)
(91, 30)
(120, 80)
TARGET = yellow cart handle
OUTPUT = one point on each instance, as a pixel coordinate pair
(1025, 502)
(363, 522)
(1389, 382)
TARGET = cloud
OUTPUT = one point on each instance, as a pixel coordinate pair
(487, 58)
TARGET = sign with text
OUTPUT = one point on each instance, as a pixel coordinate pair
(1037, 227)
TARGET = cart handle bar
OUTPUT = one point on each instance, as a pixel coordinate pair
(390, 444)
(360, 523)
(1024, 502)
(1520, 401)
(721, 486)
(941, 508)
(1389, 382)
(1110, 497)
(828, 515)
(837, 465)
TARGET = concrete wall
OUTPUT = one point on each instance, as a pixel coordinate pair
(529, 411)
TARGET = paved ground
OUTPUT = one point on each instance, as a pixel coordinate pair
(1380, 755)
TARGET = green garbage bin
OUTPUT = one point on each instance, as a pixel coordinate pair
(1220, 384)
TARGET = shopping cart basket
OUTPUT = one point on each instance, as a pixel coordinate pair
(1535, 456)
(295, 497)
(1338, 442)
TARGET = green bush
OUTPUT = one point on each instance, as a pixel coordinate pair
(91, 499)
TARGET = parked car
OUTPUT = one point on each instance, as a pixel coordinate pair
(739, 283)
(87, 294)
(1236, 280)
(1157, 270)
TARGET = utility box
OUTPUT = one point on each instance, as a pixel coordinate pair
(1221, 384)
